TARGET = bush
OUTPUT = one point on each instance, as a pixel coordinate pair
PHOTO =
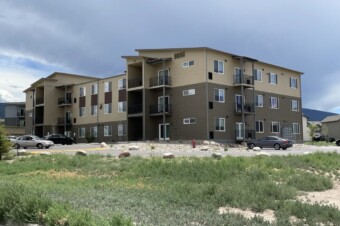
(5, 145)
(89, 137)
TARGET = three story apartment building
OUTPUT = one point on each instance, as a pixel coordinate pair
(178, 94)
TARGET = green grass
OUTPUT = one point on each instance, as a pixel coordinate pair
(98, 190)
(320, 143)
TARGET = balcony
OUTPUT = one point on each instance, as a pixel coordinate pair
(160, 81)
(61, 121)
(157, 109)
(133, 83)
(135, 109)
(39, 120)
(39, 101)
(61, 101)
(247, 108)
(243, 80)
(248, 135)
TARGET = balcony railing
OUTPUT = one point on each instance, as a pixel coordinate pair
(61, 121)
(39, 120)
(160, 81)
(132, 83)
(248, 134)
(135, 109)
(243, 80)
(158, 108)
(61, 101)
(247, 108)
(39, 101)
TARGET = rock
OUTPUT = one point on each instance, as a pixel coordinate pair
(216, 155)
(306, 153)
(103, 145)
(22, 152)
(213, 143)
(204, 148)
(133, 148)
(168, 155)
(205, 142)
(256, 149)
(124, 154)
(45, 153)
(81, 153)
(262, 153)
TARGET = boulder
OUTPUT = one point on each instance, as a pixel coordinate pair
(262, 153)
(133, 148)
(103, 145)
(216, 155)
(81, 153)
(205, 142)
(45, 153)
(168, 155)
(256, 149)
(22, 152)
(204, 148)
(124, 154)
(307, 153)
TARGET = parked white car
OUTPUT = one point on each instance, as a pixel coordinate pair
(31, 141)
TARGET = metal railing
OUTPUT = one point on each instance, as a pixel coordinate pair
(61, 121)
(61, 101)
(135, 109)
(39, 101)
(243, 80)
(158, 108)
(160, 81)
(132, 83)
(247, 108)
(244, 135)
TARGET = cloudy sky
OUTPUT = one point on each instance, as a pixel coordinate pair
(38, 37)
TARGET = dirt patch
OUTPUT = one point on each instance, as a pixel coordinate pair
(267, 215)
(328, 197)
(56, 174)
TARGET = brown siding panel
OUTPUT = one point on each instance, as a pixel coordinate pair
(108, 97)
(94, 99)
(122, 95)
(82, 101)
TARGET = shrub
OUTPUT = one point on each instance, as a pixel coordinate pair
(5, 145)
(89, 137)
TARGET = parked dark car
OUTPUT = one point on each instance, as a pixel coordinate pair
(271, 142)
(323, 138)
(337, 142)
(59, 139)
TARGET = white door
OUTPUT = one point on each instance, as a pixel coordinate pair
(239, 131)
(163, 101)
(161, 131)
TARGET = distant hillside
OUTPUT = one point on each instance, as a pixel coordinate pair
(315, 115)
(2, 110)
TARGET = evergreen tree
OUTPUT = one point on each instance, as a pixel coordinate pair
(5, 145)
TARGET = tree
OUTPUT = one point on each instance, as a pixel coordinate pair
(312, 129)
(5, 145)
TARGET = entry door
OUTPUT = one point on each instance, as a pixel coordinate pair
(239, 131)
(163, 77)
(238, 75)
(161, 131)
(163, 100)
(238, 102)
(68, 116)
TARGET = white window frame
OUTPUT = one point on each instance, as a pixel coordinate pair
(108, 108)
(82, 111)
(220, 67)
(94, 110)
(107, 86)
(121, 84)
(295, 105)
(189, 92)
(188, 63)
(94, 131)
(221, 96)
(122, 106)
(274, 103)
(220, 124)
(94, 89)
(259, 126)
(292, 84)
(259, 100)
(82, 91)
(81, 132)
(121, 130)
(273, 78)
(187, 121)
(107, 131)
(272, 127)
(296, 126)
(258, 75)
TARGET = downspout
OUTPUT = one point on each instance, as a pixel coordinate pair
(206, 91)
(163, 104)
(65, 120)
(242, 100)
(97, 109)
(254, 99)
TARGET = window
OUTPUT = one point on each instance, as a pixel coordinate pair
(107, 108)
(259, 101)
(82, 111)
(189, 92)
(94, 131)
(107, 87)
(273, 78)
(259, 127)
(274, 102)
(293, 83)
(219, 66)
(107, 131)
(94, 89)
(258, 75)
(179, 55)
(121, 130)
(189, 121)
(121, 84)
(122, 106)
(295, 105)
(81, 132)
(82, 91)
(94, 110)
(187, 63)
(219, 95)
(220, 124)
(275, 128)
(296, 128)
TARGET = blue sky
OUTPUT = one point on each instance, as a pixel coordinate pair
(89, 38)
